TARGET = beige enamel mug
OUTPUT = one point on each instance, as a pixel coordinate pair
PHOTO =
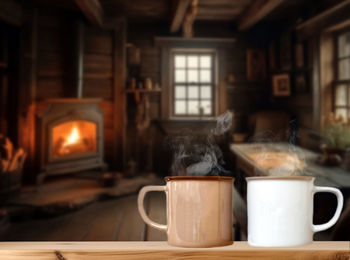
(199, 210)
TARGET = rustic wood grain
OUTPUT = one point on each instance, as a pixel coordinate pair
(256, 12)
(179, 11)
(160, 250)
(92, 10)
(107, 222)
(132, 227)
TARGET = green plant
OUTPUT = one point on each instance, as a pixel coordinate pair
(336, 132)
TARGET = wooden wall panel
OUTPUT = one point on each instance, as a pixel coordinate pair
(98, 88)
(49, 87)
(55, 60)
(97, 65)
(50, 64)
(97, 41)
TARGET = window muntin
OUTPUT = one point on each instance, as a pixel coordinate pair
(193, 84)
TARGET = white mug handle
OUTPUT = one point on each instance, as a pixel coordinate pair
(142, 211)
(334, 219)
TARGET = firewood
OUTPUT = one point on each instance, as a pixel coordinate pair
(6, 148)
(16, 159)
(22, 160)
(5, 165)
(9, 148)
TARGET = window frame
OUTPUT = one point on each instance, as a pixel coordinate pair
(337, 82)
(214, 83)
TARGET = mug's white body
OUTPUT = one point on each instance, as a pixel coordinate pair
(199, 211)
(280, 211)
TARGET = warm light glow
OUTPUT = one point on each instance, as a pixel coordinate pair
(73, 138)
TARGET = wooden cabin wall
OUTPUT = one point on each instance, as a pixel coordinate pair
(300, 104)
(241, 96)
(48, 64)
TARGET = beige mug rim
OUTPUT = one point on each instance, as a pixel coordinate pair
(266, 178)
(198, 178)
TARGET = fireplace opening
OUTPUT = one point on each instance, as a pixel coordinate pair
(70, 137)
(74, 138)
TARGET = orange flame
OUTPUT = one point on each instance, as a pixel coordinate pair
(73, 138)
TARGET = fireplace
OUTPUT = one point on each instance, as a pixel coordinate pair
(69, 137)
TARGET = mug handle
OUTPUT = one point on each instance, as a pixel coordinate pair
(334, 219)
(142, 211)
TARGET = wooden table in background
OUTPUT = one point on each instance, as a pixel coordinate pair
(161, 250)
(247, 160)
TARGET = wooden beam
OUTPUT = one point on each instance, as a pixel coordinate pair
(179, 11)
(187, 25)
(256, 12)
(11, 12)
(334, 18)
(92, 10)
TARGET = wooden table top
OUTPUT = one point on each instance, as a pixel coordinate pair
(268, 158)
(161, 250)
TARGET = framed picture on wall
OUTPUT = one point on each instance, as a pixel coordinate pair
(256, 65)
(281, 85)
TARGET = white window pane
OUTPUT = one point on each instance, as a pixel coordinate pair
(180, 107)
(180, 92)
(206, 92)
(340, 95)
(193, 107)
(180, 75)
(193, 92)
(344, 45)
(180, 61)
(340, 113)
(205, 61)
(192, 61)
(206, 106)
(344, 69)
(205, 76)
(192, 76)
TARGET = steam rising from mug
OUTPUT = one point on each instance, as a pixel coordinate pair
(195, 155)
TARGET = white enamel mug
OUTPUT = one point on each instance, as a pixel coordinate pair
(280, 210)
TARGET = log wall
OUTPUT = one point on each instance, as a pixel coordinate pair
(49, 58)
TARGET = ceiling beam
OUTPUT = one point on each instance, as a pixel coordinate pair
(256, 12)
(179, 11)
(11, 12)
(190, 16)
(92, 10)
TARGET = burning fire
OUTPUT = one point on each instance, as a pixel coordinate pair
(73, 138)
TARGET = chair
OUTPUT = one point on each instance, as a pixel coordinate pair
(269, 126)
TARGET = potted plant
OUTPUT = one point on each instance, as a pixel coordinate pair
(335, 139)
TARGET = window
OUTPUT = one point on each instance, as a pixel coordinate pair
(193, 84)
(342, 83)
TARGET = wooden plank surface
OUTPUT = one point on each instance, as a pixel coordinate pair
(161, 250)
